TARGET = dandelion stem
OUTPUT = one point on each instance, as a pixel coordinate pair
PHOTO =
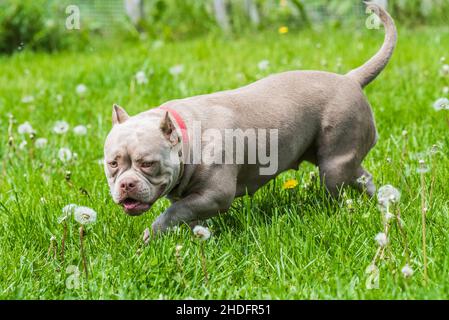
(432, 183)
(64, 236)
(404, 236)
(423, 215)
(83, 255)
(203, 263)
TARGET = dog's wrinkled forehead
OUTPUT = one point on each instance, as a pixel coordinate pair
(137, 137)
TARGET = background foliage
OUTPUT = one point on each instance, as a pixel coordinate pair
(39, 24)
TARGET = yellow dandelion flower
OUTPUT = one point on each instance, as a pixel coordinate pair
(283, 30)
(290, 184)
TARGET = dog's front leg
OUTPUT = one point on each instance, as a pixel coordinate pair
(193, 207)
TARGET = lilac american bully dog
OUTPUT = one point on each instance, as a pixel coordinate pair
(314, 116)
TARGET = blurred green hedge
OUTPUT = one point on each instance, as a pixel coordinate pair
(40, 24)
(35, 25)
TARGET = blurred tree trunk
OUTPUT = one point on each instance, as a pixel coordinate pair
(221, 15)
(302, 11)
(253, 13)
(135, 11)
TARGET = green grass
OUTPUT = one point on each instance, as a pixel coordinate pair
(278, 244)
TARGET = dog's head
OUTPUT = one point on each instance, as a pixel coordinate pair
(141, 159)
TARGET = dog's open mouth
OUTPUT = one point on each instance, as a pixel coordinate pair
(134, 207)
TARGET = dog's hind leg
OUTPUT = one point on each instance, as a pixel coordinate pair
(338, 172)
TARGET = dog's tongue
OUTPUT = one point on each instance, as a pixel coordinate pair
(130, 204)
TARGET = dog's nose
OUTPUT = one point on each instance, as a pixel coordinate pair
(128, 185)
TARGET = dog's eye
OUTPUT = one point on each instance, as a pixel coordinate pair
(113, 164)
(147, 164)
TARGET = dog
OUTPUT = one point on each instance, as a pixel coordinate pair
(320, 117)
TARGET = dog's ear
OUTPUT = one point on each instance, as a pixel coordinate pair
(168, 130)
(119, 115)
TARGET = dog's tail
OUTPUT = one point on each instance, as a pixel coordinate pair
(371, 69)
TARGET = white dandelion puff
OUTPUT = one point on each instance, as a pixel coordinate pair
(407, 271)
(80, 130)
(388, 216)
(61, 127)
(85, 215)
(157, 44)
(381, 239)
(23, 145)
(201, 233)
(263, 65)
(363, 180)
(441, 104)
(40, 143)
(422, 167)
(67, 211)
(445, 90)
(64, 154)
(388, 194)
(141, 78)
(350, 204)
(444, 70)
(81, 90)
(176, 70)
(27, 99)
(25, 128)
(372, 281)
(59, 98)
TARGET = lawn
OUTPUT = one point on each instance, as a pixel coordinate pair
(278, 244)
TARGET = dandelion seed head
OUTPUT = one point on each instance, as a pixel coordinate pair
(441, 104)
(363, 180)
(25, 128)
(27, 99)
(157, 44)
(85, 215)
(80, 130)
(381, 239)
(23, 145)
(372, 268)
(445, 90)
(141, 78)
(407, 271)
(60, 127)
(81, 89)
(263, 65)
(422, 167)
(64, 154)
(444, 70)
(201, 233)
(388, 216)
(67, 211)
(40, 143)
(176, 70)
(388, 194)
